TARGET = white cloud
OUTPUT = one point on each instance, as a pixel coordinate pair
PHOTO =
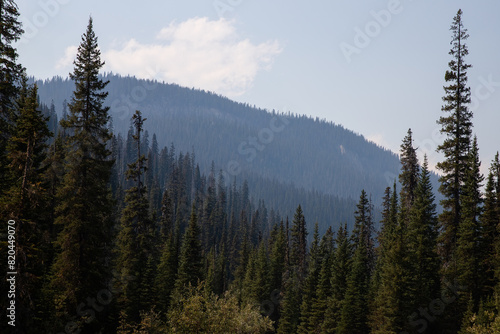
(196, 53)
(69, 57)
(380, 140)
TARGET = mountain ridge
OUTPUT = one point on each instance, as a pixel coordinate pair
(317, 155)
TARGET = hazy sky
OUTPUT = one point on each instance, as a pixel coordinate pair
(376, 67)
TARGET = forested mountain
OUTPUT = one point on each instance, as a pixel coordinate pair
(311, 153)
(107, 229)
(314, 162)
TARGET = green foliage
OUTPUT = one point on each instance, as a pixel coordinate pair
(190, 261)
(134, 246)
(388, 282)
(341, 267)
(468, 253)
(26, 202)
(354, 312)
(422, 244)
(10, 76)
(68, 198)
(200, 312)
(456, 124)
(84, 212)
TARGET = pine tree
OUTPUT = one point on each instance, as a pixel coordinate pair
(167, 271)
(390, 285)
(190, 261)
(467, 251)
(354, 312)
(340, 271)
(277, 256)
(310, 283)
(362, 234)
(424, 284)
(298, 247)
(457, 126)
(10, 75)
(26, 203)
(323, 287)
(134, 242)
(294, 278)
(489, 221)
(84, 212)
(388, 280)
(409, 172)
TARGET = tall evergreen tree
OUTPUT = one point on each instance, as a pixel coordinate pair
(10, 75)
(424, 263)
(167, 271)
(85, 209)
(388, 282)
(26, 202)
(310, 283)
(323, 287)
(277, 256)
(340, 271)
(354, 312)
(489, 221)
(409, 172)
(290, 307)
(134, 241)
(190, 261)
(468, 255)
(298, 243)
(362, 233)
(456, 124)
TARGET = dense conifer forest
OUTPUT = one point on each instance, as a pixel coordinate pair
(126, 231)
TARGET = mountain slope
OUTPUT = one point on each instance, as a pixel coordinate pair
(311, 153)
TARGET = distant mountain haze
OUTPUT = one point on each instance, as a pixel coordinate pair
(271, 149)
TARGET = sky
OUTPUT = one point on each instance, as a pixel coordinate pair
(376, 67)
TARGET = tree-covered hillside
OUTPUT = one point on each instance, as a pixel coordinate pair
(240, 139)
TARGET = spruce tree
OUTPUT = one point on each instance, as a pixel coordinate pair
(340, 271)
(456, 125)
(84, 212)
(323, 287)
(277, 256)
(190, 261)
(134, 245)
(26, 203)
(467, 254)
(354, 312)
(293, 285)
(388, 281)
(424, 284)
(409, 172)
(310, 283)
(167, 271)
(489, 221)
(298, 246)
(10, 75)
